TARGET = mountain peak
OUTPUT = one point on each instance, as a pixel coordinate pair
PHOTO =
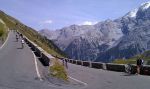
(145, 5)
(131, 13)
(109, 39)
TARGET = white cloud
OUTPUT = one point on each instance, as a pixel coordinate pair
(88, 23)
(47, 22)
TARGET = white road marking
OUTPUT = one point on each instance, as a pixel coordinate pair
(85, 84)
(78, 80)
(5, 41)
(39, 76)
(36, 67)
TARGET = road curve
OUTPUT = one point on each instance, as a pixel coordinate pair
(103, 79)
(17, 67)
(17, 71)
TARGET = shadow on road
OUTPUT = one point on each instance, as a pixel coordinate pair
(125, 74)
(20, 48)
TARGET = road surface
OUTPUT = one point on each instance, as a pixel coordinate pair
(18, 71)
(17, 67)
(103, 79)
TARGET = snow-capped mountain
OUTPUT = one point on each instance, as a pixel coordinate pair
(107, 40)
(145, 6)
(131, 14)
(136, 38)
(88, 40)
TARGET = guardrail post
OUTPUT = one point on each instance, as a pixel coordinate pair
(69, 61)
(104, 66)
(81, 63)
(76, 62)
(90, 64)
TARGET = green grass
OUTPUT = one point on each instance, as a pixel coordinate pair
(122, 61)
(3, 32)
(57, 70)
(145, 56)
(2, 29)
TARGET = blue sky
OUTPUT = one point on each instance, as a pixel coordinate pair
(55, 14)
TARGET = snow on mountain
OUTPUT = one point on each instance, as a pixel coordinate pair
(91, 38)
(132, 13)
(106, 40)
(145, 5)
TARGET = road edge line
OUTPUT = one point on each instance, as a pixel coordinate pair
(36, 67)
(78, 80)
(5, 41)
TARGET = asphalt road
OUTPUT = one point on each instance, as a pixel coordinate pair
(17, 71)
(17, 67)
(103, 79)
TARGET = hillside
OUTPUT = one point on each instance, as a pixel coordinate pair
(33, 35)
(3, 32)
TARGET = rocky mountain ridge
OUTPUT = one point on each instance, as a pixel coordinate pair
(107, 40)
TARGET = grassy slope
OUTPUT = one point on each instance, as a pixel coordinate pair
(2, 29)
(33, 35)
(3, 32)
(41, 41)
(145, 56)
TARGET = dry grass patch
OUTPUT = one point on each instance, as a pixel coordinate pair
(57, 70)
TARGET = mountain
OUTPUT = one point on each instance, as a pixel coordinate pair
(107, 40)
(88, 40)
(32, 34)
(136, 37)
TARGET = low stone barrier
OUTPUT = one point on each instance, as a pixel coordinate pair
(71, 61)
(86, 63)
(38, 52)
(115, 67)
(44, 57)
(79, 62)
(74, 61)
(145, 70)
(45, 60)
(97, 65)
